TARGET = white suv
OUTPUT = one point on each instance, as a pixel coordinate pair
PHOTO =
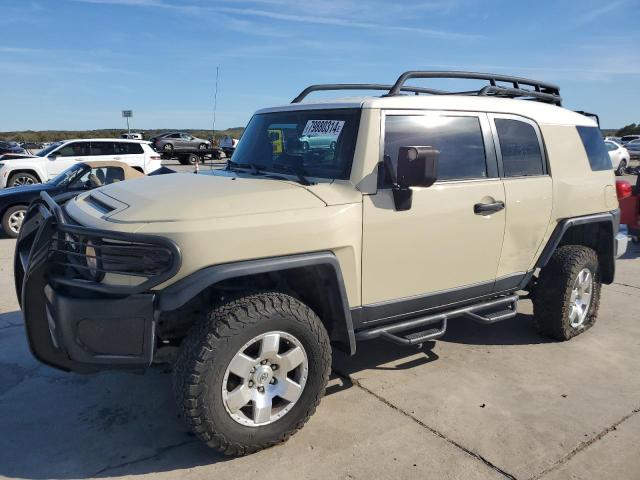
(18, 170)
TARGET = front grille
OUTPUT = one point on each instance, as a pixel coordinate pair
(99, 260)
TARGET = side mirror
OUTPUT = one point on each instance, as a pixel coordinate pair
(417, 167)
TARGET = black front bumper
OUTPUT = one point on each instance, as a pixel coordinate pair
(72, 324)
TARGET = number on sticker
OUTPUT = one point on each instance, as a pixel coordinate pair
(325, 128)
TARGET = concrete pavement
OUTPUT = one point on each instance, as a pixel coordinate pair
(483, 402)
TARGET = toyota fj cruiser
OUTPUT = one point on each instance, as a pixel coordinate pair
(429, 206)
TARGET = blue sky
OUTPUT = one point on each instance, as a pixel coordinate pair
(75, 64)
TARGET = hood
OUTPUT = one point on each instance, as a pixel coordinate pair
(187, 197)
(15, 156)
(35, 188)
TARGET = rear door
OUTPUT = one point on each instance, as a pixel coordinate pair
(443, 249)
(103, 150)
(130, 153)
(528, 191)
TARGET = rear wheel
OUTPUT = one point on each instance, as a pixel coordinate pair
(202, 146)
(567, 294)
(168, 148)
(251, 374)
(22, 178)
(12, 220)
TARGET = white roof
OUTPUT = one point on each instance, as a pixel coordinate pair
(543, 113)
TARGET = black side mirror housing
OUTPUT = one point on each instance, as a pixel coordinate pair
(417, 167)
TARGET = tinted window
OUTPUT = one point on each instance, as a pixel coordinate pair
(123, 148)
(458, 139)
(75, 149)
(174, 135)
(611, 146)
(596, 151)
(102, 148)
(520, 148)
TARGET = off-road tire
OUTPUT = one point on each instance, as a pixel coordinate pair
(210, 345)
(551, 303)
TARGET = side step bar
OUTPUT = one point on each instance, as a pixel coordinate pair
(502, 309)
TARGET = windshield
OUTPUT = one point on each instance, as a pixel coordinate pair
(316, 143)
(68, 176)
(46, 151)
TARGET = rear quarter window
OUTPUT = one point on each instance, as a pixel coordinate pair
(595, 148)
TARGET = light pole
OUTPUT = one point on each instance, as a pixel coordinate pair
(215, 105)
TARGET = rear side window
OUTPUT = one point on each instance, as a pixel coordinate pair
(102, 148)
(458, 139)
(596, 150)
(128, 148)
(520, 148)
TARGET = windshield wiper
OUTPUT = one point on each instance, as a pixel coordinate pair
(256, 168)
(294, 171)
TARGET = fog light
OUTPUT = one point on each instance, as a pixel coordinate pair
(92, 258)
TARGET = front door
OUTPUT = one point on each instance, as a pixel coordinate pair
(67, 156)
(446, 248)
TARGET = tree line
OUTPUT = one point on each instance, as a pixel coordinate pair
(38, 136)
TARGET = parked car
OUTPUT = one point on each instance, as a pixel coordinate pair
(430, 208)
(228, 145)
(32, 145)
(10, 147)
(131, 136)
(633, 148)
(613, 139)
(176, 141)
(29, 169)
(77, 178)
(628, 138)
(317, 142)
(619, 156)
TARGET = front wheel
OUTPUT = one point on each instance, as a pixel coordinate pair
(567, 293)
(21, 179)
(252, 373)
(12, 220)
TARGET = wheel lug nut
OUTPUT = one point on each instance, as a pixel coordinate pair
(261, 389)
(273, 381)
(274, 367)
(250, 383)
(264, 362)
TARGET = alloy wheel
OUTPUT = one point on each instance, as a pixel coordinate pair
(580, 300)
(265, 379)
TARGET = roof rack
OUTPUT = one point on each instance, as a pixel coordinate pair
(539, 91)
(588, 114)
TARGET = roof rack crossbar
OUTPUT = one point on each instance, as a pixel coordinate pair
(519, 92)
(362, 86)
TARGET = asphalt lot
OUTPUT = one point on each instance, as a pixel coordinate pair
(491, 402)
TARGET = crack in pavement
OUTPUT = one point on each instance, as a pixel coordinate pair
(471, 453)
(157, 453)
(626, 285)
(582, 445)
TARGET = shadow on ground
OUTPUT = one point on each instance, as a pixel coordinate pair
(62, 425)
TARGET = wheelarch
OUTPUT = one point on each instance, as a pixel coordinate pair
(314, 279)
(25, 170)
(594, 231)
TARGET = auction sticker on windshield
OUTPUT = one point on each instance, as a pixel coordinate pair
(323, 128)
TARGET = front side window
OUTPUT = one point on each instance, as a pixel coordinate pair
(521, 155)
(315, 143)
(75, 149)
(458, 139)
(595, 148)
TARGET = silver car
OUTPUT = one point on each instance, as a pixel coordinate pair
(177, 141)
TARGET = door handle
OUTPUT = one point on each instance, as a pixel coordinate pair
(480, 208)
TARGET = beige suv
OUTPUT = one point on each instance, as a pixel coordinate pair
(406, 212)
